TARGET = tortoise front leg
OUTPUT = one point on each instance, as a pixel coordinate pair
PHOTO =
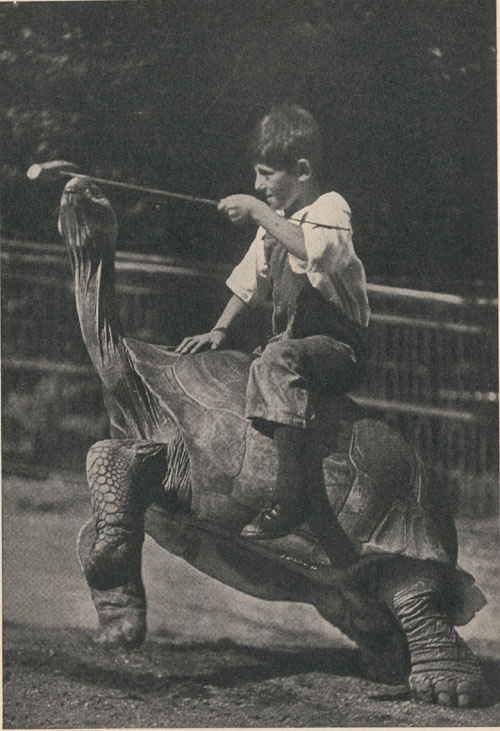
(123, 477)
(121, 610)
(443, 669)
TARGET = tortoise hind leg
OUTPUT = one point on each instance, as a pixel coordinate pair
(443, 669)
(123, 477)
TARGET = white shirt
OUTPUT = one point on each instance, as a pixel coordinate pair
(332, 266)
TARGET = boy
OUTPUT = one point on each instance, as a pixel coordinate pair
(304, 258)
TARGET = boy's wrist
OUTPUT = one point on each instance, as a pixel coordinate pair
(258, 211)
(266, 216)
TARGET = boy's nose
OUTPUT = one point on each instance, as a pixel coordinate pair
(259, 182)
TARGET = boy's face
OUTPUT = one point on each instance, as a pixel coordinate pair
(280, 188)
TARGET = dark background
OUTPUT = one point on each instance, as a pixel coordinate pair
(165, 94)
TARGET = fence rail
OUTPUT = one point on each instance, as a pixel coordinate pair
(433, 369)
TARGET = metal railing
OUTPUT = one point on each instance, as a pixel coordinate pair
(433, 368)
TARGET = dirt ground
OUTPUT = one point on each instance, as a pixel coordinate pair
(213, 657)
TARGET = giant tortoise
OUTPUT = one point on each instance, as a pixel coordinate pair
(377, 555)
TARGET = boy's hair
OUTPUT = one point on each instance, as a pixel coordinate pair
(286, 134)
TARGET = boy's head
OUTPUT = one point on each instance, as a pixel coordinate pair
(287, 134)
(286, 153)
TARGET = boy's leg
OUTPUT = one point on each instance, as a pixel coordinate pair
(278, 392)
(287, 511)
(282, 377)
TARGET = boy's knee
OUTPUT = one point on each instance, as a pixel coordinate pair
(285, 354)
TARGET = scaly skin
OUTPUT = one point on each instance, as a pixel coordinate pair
(123, 476)
(121, 610)
(443, 669)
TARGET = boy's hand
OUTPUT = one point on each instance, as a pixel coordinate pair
(211, 340)
(240, 208)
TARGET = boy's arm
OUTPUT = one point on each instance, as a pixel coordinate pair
(231, 311)
(291, 236)
(240, 208)
(214, 339)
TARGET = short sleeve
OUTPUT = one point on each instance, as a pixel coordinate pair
(249, 280)
(332, 266)
(327, 247)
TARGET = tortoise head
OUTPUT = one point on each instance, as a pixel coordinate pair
(87, 221)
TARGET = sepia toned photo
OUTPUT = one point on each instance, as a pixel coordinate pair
(249, 364)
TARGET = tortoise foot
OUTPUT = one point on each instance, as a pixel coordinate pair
(443, 669)
(449, 676)
(122, 616)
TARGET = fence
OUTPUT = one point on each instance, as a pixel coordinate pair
(433, 367)
(433, 373)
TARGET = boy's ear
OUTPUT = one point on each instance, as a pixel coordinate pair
(304, 169)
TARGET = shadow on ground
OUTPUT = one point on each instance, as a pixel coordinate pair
(60, 678)
(219, 664)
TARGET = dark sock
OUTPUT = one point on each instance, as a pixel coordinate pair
(290, 445)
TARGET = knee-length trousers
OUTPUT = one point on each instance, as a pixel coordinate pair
(284, 379)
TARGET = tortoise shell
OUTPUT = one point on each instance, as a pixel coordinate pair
(363, 470)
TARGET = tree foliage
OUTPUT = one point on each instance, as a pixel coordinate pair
(165, 94)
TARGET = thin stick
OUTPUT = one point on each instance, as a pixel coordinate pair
(181, 196)
(142, 188)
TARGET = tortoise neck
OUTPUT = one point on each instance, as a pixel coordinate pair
(88, 226)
